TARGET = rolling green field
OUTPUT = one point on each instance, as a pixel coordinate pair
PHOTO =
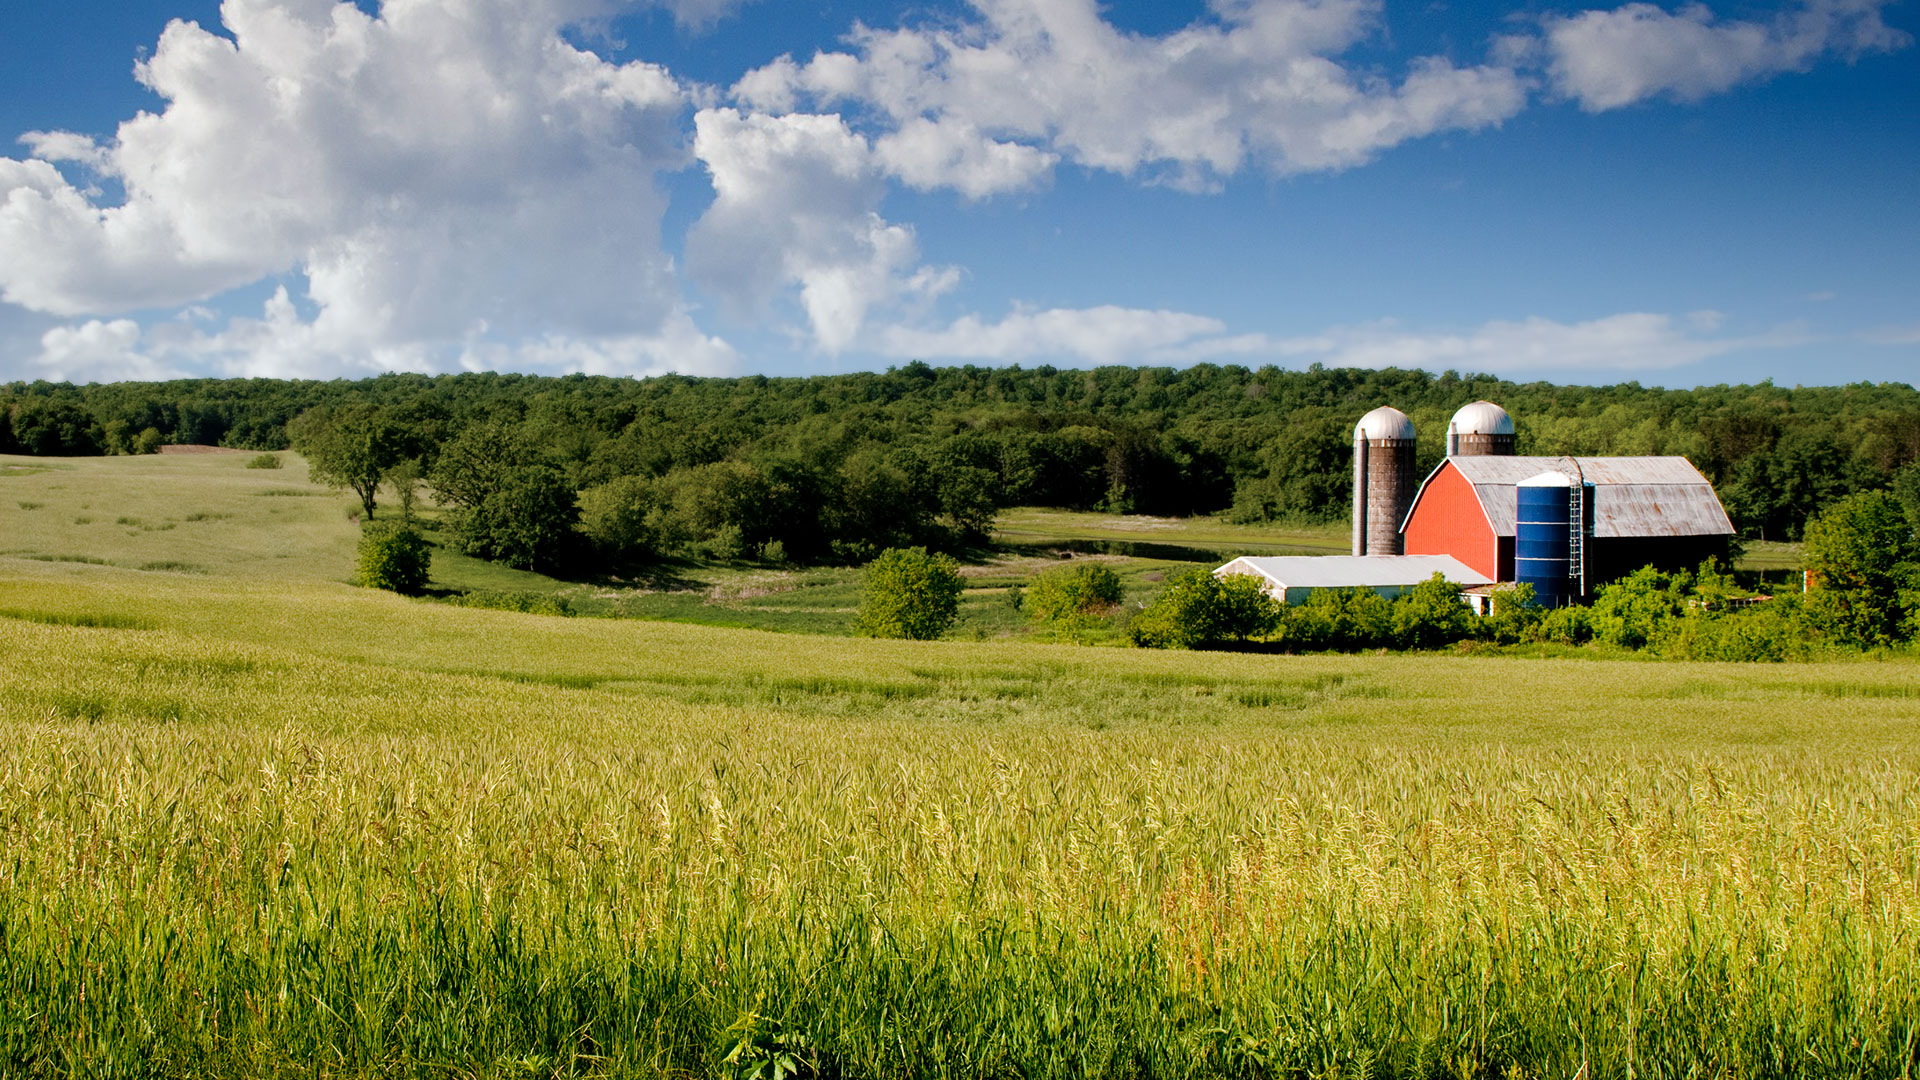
(257, 822)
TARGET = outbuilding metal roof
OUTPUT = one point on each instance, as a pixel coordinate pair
(1354, 571)
(1632, 496)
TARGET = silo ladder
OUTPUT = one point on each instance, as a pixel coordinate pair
(1576, 537)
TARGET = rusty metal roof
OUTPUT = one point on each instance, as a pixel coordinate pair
(1632, 496)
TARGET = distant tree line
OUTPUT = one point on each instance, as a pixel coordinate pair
(839, 467)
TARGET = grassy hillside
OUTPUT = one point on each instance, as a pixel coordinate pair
(255, 821)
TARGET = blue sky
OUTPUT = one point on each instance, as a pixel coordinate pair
(1677, 195)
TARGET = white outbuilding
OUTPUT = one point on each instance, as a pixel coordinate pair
(1290, 579)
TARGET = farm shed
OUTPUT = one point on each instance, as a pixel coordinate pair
(1290, 579)
(1634, 512)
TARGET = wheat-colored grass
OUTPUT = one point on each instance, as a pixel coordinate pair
(272, 825)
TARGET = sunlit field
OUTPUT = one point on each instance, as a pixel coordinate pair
(255, 821)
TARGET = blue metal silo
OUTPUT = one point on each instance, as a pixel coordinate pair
(1543, 538)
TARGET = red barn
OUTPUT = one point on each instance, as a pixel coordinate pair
(1644, 511)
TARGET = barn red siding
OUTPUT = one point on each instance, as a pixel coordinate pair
(1448, 521)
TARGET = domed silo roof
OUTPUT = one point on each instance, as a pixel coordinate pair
(1550, 478)
(1481, 418)
(1385, 422)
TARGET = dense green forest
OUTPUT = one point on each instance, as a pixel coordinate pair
(838, 467)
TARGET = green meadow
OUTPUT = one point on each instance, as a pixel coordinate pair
(255, 821)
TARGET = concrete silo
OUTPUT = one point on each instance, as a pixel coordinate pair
(1383, 480)
(1479, 430)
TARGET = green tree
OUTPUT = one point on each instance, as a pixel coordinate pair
(1633, 611)
(910, 594)
(621, 518)
(55, 429)
(350, 447)
(393, 557)
(1341, 619)
(510, 504)
(1515, 615)
(1073, 592)
(1906, 488)
(1860, 557)
(1200, 610)
(1308, 473)
(1431, 614)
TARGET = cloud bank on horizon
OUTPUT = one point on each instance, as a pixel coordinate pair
(461, 185)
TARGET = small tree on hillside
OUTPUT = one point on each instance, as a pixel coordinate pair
(350, 447)
(621, 518)
(910, 594)
(1199, 610)
(1860, 558)
(394, 557)
(1078, 591)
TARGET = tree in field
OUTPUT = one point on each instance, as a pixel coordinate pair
(509, 503)
(349, 446)
(1340, 619)
(1075, 592)
(621, 518)
(1863, 584)
(1431, 614)
(1634, 611)
(394, 557)
(1199, 610)
(910, 594)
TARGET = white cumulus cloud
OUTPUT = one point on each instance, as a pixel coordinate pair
(1097, 335)
(97, 351)
(1608, 59)
(1627, 342)
(444, 175)
(987, 103)
(796, 200)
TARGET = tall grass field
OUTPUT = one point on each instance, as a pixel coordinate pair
(255, 821)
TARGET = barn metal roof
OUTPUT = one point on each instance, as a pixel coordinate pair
(1354, 571)
(1632, 496)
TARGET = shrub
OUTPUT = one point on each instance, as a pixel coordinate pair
(147, 442)
(1515, 616)
(1771, 631)
(1073, 592)
(264, 461)
(1199, 610)
(1341, 619)
(394, 557)
(526, 603)
(910, 594)
(1431, 614)
(1572, 625)
(1633, 611)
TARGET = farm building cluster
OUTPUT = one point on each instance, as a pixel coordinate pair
(1487, 517)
